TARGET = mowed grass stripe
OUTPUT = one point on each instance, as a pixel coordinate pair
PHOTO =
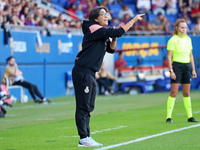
(143, 115)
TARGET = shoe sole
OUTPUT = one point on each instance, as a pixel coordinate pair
(79, 145)
(194, 121)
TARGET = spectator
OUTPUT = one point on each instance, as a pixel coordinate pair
(185, 15)
(66, 23)
(59, 24)
(115, 1)
(37, 20)
(91, 5)
(125, 19)
(23, 3)
(3, 4)
(24, 14)
(13, 73)
(120, 63)
(79, 11)
(72, 10)
(47, 15)
(15, 21)
(94, 3)
(72, 24)
(44, 23)
(61, 16)
(158, 6)
(195, 12)
(39, 12)
(68, 3)
(125, 10)
(31, 5)
(84, 4)
(143, 6)
(7, 12)
(78, 25)
(115, 22)
(143, 25)
(12, 2)
(197, 27)
(183, 3)
(52, 23)
(30, 20)
(1, 19)
(171, 7)
(160, 23)
(18, 9)
(105, 79)
(14, 12)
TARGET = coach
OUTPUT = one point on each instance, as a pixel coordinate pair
(95, 44)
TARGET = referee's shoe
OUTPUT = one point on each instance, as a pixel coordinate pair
(192, 120)
(169, 120)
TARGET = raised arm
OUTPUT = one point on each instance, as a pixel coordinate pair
(127, 26)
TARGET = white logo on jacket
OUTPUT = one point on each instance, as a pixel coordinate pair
(87, 89)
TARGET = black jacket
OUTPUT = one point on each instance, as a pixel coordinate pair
(95, 44)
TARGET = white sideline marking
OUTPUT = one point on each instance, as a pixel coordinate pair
(196, 112)
(100, 131)
(109, 129)
(69, 136)
(146, 137)
(46, 119)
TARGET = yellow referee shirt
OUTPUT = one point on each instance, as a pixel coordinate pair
(181, 48)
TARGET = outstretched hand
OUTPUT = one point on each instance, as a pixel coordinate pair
(139, 17)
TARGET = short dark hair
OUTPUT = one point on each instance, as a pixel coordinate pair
(9, 58)
(94, 13)
(159, 14)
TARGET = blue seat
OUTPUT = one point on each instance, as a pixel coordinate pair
(191, 26)
(132, 7)
(129, 1)
(171, 18)
(115, 8)
(61, 3)
(54, 2)
(151, 17)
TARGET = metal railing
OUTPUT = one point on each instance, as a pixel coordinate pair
(79, 31)
(36, 29)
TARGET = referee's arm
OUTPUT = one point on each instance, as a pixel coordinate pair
(169, 59)
(194, 75)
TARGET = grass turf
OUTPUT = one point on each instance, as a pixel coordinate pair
(116, 119)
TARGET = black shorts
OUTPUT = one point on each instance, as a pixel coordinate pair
(182, 72)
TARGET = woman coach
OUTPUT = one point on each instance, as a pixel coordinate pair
(95, 44)
(179, 58)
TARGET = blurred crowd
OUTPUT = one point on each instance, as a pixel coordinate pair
(23, 12)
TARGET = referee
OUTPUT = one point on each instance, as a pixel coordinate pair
(95, 44)
(180, 58)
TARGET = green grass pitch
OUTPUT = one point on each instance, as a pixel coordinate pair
(116, 119)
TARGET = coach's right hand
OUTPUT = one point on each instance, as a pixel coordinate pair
(139, 17)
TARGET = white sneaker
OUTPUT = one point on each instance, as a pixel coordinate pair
(88, 142)
(91, 139)
(107, 93)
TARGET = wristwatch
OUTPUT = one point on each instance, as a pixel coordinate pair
(171, 71)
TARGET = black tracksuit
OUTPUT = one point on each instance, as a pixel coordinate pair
(88, 61)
